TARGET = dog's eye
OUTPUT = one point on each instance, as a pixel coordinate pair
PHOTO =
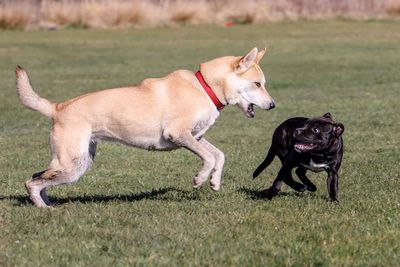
(316, 130)
(257, 84)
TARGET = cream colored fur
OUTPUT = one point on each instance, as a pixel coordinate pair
(158, 114)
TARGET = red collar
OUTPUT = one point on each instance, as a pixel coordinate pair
(209, 91)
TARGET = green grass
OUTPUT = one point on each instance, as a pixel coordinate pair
(136, 207)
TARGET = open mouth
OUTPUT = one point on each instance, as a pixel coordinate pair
(250, 111)
(303, 147)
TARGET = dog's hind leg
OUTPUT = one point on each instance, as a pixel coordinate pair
(267, 161)
(301, 173)
(43, 193)
(215, 182)
(38, 198)
(276, 185)
(284, 175)
(70, 161)
(36, 187)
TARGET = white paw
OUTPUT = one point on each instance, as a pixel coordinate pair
(215, 187)
(34, 195)
(198, 181)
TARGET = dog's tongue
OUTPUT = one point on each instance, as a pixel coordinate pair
(304, 147)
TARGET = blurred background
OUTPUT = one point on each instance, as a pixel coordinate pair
(54, 14)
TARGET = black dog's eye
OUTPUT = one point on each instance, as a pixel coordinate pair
(257, 84)
(316, 130)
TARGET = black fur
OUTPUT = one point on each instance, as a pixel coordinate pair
(304, 143)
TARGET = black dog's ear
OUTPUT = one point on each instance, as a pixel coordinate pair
(328, 115)
(338, 129)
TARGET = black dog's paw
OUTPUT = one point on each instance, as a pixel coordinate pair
(334, 200)
(311, 188)
(301, 188)
(268, 193)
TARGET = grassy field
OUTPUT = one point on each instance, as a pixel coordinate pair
(138, 208)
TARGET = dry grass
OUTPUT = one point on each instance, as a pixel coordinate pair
(242, 12)
(14, 17)
(181, 12)
(97, 14)
(18, 14)
(393, 8)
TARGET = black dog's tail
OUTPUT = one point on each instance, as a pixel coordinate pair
(270, 157)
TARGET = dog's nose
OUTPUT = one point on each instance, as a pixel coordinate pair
(272, 105)
(297, 132)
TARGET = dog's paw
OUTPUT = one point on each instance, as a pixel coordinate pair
(198, 181)
(35, 194)
(301, 188)
(311, 188)
(215, 187)
(334, 200)
(268, 193)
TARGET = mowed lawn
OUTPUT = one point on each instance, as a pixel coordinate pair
(136, 207)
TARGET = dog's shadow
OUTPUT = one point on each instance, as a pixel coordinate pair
(251, 193)
(162, 194)
(257, 194)
(165, 194)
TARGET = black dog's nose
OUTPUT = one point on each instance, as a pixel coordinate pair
(272, 105)
(297, 132)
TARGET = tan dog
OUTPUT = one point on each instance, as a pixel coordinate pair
(159, 114)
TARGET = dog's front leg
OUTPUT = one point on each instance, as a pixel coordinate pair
(215, 182)
(185, 139)
(332, 184)
(301, 173)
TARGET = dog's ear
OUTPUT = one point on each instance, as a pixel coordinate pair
(247, 61)
(260, 55)
(338, 129)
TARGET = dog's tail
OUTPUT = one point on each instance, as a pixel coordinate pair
(29, 98)
(270, 157)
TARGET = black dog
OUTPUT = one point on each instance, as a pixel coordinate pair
(308, 144)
